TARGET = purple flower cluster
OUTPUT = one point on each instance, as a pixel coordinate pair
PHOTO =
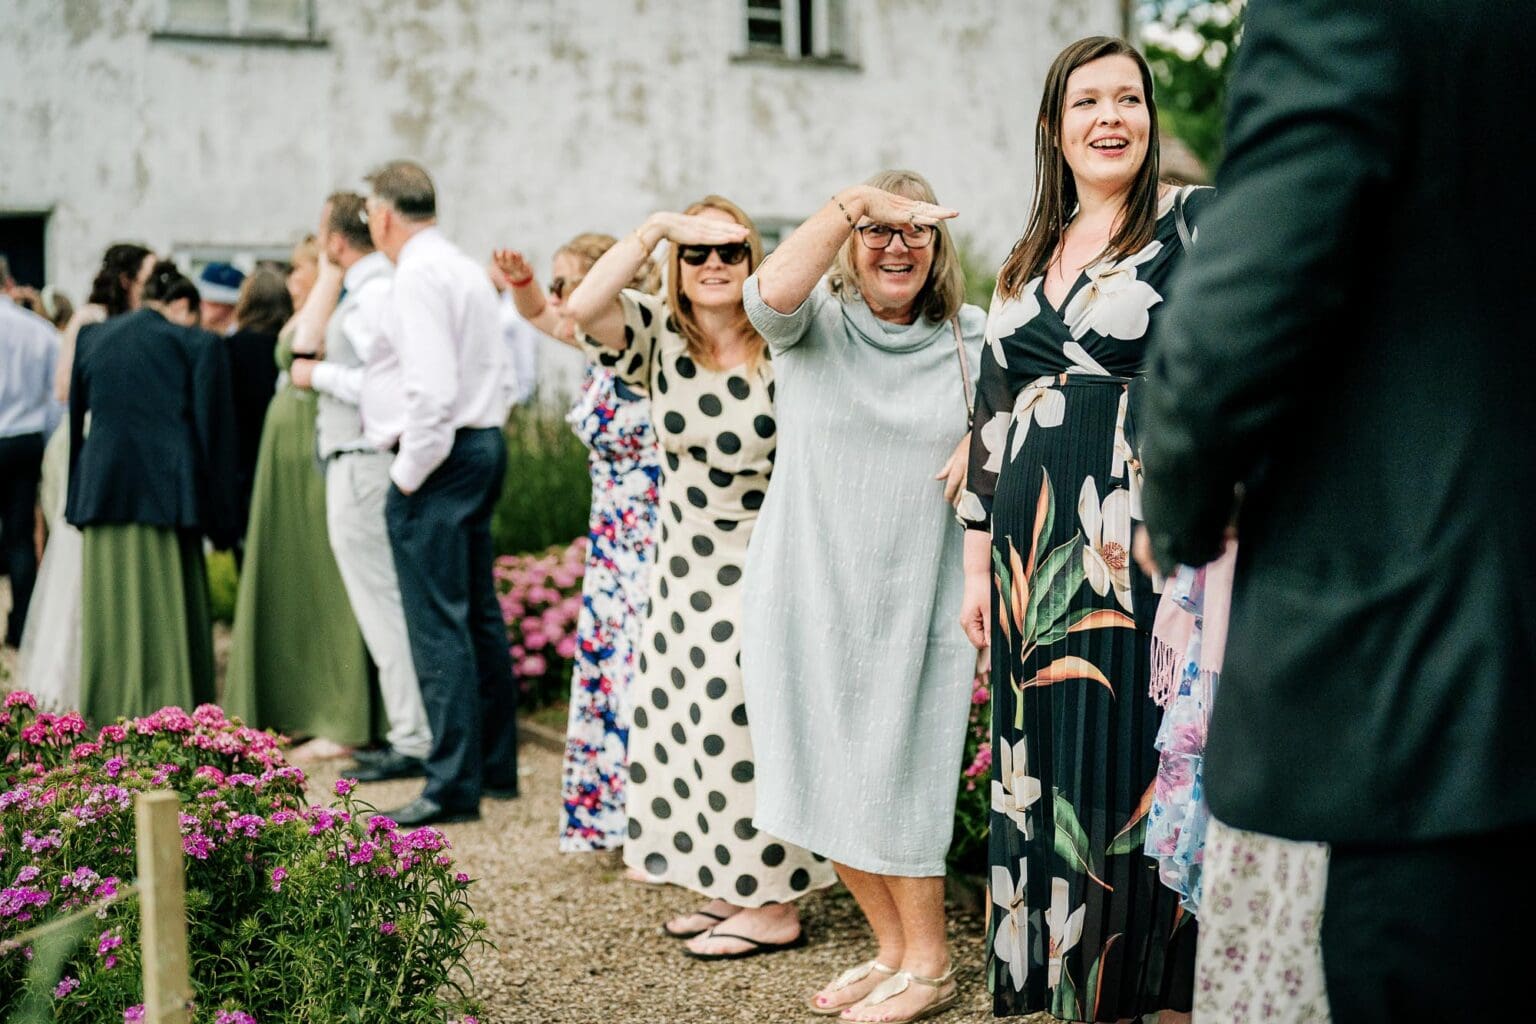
(249, 835)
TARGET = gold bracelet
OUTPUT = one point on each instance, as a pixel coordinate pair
(839, 203)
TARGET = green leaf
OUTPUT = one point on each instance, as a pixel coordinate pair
(1130, 842)
(1060, 579)
(1000, 564)
(1071, 840)
(1091, 989)
(1065, 1004)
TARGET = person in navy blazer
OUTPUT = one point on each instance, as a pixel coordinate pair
(151, 472)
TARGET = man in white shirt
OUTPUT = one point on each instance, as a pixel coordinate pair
(443, 339)
(29, 351)
(357, 478)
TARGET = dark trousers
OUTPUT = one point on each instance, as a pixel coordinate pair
(21, 460)
(441, 539)
(1429, 931)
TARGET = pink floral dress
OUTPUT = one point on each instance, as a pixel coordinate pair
(615, 425)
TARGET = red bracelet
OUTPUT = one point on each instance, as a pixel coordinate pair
(519, 284)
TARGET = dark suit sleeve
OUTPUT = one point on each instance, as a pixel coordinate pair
(79, 404)
(213, 410)
(1313, 134)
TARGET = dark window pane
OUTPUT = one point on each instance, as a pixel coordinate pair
(765, 32)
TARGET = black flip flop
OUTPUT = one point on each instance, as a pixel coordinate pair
(757, 948)
(669, 933)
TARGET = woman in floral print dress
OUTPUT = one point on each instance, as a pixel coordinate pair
(614, 422)
(1081, 926)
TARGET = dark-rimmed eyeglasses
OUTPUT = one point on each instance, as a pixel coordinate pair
(914, 236)
(730, 254)
(560, 287)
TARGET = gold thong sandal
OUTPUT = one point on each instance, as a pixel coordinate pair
(898, 983)
(852, 976)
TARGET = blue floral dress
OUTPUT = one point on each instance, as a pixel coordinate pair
(615, 424)
(1177, 822)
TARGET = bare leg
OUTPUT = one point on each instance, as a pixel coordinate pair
(874, 898)
(920, 904)
(775, 923)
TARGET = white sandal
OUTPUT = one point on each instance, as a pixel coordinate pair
(852, 976)
(900, 982)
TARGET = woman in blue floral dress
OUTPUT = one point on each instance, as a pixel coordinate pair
(615, 425)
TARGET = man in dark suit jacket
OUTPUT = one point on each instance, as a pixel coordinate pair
(1351, 345)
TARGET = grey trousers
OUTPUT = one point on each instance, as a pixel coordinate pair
(355, 486)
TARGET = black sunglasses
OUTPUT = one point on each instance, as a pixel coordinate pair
(561, 286)
(731, 253)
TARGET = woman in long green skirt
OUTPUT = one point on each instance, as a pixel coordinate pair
(145, 486)
(297, 661)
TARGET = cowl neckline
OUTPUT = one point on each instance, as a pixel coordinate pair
(914, 336)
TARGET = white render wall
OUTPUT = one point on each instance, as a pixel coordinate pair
(537, 118)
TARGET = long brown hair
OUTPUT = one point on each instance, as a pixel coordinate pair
(264, 304)
(1056, 189)
(944, 292)
(699, 347)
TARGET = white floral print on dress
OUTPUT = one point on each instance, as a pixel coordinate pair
(1106, 540)
(1010, 945)
(1114, 302)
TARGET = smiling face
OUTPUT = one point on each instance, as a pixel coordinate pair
(890, 279)
(714, 284)
(1105, 125)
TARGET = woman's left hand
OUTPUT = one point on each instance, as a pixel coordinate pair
(953, 473)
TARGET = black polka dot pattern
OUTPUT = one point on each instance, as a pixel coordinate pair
(691, 794)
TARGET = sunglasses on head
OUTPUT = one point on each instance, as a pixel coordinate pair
(730, 253)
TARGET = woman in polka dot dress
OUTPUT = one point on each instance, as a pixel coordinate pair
(705, 369)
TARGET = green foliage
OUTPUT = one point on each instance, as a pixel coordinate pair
(980, 272)
(1190, 45)
(295, 912)
(968, 848)
(223, 583)
(547, 493)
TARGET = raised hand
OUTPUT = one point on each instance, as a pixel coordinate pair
(695, 229)
(884, 207)
(513, 265)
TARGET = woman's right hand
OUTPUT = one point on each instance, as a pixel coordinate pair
(976, 610)
(693, 229)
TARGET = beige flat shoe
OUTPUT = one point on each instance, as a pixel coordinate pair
(852, 976)
(899, 983)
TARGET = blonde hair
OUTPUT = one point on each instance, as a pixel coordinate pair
(589, 246)
(699, 348)
(306, 251)
(943, 293)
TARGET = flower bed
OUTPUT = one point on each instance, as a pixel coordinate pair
(540, 598)
(295, 911)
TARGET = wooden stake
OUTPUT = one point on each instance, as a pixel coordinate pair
(163, 909)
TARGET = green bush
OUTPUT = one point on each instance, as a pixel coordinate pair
(223, 583)
(980, 273)
(547, 493)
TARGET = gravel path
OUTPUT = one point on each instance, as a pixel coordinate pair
(577, 942)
